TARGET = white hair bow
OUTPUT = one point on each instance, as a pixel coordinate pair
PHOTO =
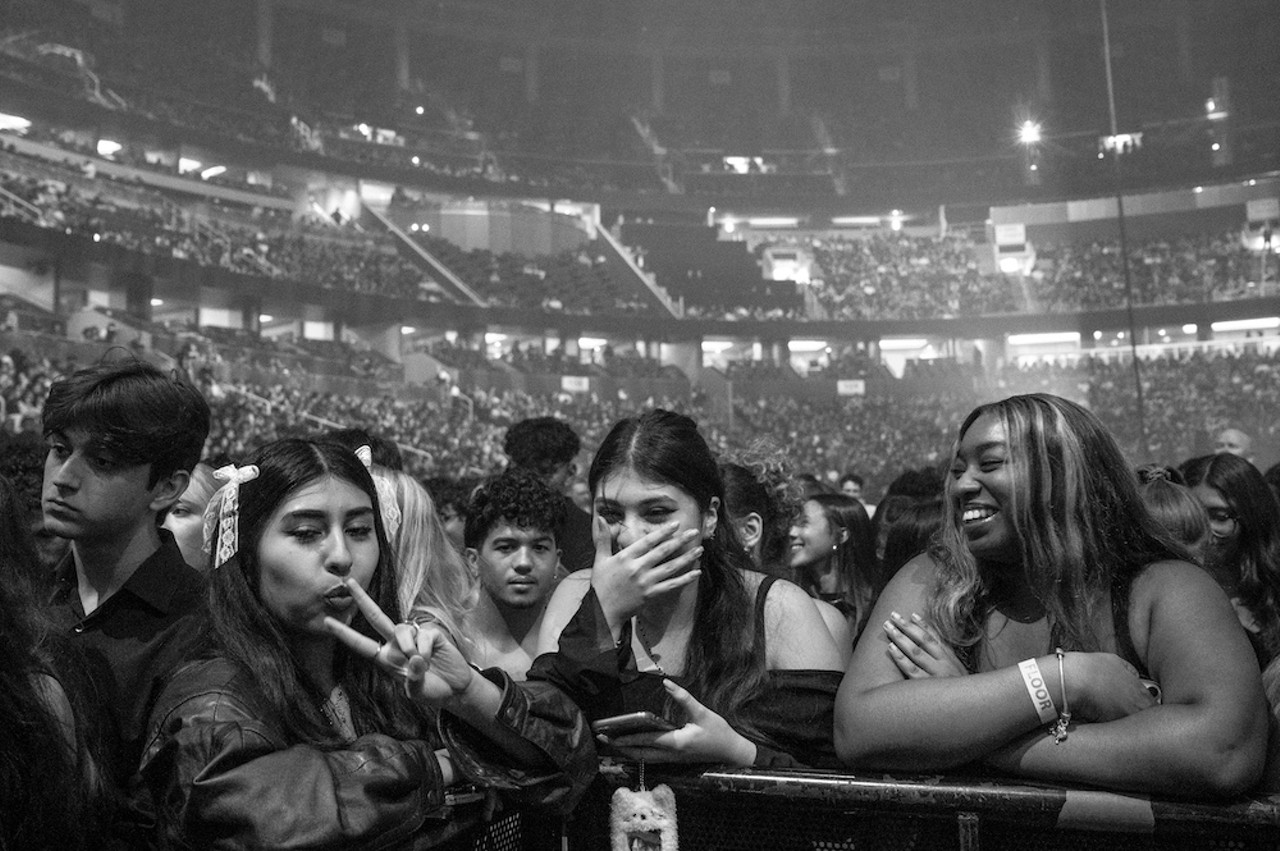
(388, 505)
(228, 530)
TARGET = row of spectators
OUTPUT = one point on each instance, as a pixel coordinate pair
(1186, 270)
(532, 358)
(1186, 399)
(897, 276)
(146, 221)
(571, 281)
(882, 276)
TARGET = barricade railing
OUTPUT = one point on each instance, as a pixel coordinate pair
(750, 810)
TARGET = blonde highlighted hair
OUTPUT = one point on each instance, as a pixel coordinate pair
(432, 579)
(1080, 526)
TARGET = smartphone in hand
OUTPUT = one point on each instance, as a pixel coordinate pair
(631, 722)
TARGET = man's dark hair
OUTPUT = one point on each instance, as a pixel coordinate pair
(851, 476)
(519, 497)
(541, 444)
(134, 412)
(452, 495)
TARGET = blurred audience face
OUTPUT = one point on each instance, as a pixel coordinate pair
(1234, 442)
(1224, 528)
(455, 525)
(812, 541)
(186, 519)
(580, 493)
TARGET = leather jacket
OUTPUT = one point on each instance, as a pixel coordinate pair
(221, 775)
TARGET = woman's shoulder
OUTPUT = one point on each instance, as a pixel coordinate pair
(570, 590)
(1169, 578)
(214, 689)
(915, 579)
(796, 635)
(1172, 592)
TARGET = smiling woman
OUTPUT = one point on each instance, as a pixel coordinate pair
(1050, 603)
(301, 556)
(672, 620)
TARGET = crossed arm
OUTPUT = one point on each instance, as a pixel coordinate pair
(1206, 738)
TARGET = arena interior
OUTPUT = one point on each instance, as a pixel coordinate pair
(830, 227)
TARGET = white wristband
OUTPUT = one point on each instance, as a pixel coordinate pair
(1038, 691)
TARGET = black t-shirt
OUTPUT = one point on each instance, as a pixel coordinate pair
(577, 550)
(131, 642)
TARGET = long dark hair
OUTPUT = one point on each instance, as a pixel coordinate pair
(1082, 530)
(1256, 571)
(856, 567)
(722, 666)
(46, 796)
(909, 525)
(244, 631)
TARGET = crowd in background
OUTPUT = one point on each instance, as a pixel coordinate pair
(881, 276)
(1186, 399)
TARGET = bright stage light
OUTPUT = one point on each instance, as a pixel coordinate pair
(1262, 324)
(903, 344)
(1029, 133)
(1044, 339)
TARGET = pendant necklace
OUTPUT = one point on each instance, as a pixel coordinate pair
(337, 709)
(654, 656)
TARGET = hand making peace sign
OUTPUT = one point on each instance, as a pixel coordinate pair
(423, 654)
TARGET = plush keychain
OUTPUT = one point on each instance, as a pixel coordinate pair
(643, 820)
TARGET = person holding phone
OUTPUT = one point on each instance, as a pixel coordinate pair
(281, 733)
(672, 620)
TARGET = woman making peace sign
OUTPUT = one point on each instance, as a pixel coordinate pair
(281, 736)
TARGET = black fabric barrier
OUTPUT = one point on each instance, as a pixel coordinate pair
(750, 810)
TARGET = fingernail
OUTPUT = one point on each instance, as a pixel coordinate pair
(697, 551)
(915, 617)
(895, 616)
(889, 627)
(689, 533)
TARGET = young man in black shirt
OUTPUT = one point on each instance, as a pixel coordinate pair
(548, 446)
(122, 438)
